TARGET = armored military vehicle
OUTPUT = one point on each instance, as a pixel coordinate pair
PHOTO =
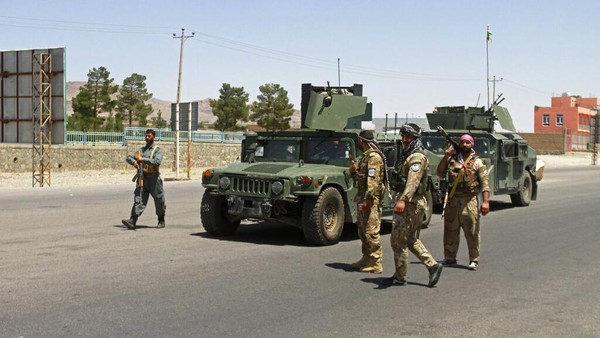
(296, 177)
(510, 161)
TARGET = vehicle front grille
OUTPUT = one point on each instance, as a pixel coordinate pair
(252, 186)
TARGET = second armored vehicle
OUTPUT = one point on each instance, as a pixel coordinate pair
(510, 161)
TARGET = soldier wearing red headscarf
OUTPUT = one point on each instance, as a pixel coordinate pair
(467, 178)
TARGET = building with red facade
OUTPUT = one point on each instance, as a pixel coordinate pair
(571, 116)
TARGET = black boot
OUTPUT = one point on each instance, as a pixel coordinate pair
(130, 223)
(434, 274)
(161, 222)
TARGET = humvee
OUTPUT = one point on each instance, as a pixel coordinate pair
(510, 161)
(295, 177)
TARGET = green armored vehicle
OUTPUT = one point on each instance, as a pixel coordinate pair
(296, 177)
(510, 161)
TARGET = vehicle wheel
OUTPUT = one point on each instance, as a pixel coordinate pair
(523, 197)
(323, 217)
(213, 214)
(428, 210)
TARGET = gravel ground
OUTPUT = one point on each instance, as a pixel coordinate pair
(105, 177)
(84, 177)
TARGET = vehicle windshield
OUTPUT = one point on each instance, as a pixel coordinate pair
(435, 144)
(328, 151)
(277, 150)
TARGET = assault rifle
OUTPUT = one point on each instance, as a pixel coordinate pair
(139, 175)
(449, 140)
(455, 146)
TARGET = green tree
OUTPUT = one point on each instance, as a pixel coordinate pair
(272, 110)
(158, 121)
(132, 97)
(232, 106)
(114, 122)
(93, 99)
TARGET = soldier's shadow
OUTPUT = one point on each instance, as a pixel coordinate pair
(382, 283)
(137, 227)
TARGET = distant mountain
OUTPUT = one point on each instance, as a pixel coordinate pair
(205, 113)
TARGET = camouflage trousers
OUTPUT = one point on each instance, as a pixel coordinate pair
(153, 186)
(404, 238)
(369, 224)
(462, 212)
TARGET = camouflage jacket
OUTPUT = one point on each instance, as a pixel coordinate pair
(474, 177)
(413, 175)
(369, 176)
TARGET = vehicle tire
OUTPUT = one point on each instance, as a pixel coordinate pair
(522, 198)
(323, 217)
(213, 214)
(428, 210)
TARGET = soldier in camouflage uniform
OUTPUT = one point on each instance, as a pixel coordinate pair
(370, 179)
(409, 181)
(150, 159)
(467, 176)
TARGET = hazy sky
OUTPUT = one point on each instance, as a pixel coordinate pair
(410, 55)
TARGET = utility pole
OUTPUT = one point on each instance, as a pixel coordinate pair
(487, 63)
(494, 88)
(182, 37)
(595, 137)
(339, 81)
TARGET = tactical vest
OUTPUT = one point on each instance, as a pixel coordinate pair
(150, 169)
(468, 181)
(399, 175)
(361, 174)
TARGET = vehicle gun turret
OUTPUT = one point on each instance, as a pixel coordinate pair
(334, 108)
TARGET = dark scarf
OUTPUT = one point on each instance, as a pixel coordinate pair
(411, 148)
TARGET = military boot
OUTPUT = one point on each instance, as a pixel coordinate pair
(130, 223)
(373, 265)
(434, 274)
(363, 260)
(161, 222)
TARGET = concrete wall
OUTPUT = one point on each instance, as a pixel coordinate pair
(550, 143)
(18, 157)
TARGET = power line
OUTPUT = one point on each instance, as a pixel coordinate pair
(519, 86)
(243, 47)
(273, 54)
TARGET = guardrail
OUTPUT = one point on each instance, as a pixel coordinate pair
(138, 134)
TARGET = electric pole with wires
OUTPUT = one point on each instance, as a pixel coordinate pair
(183, 37)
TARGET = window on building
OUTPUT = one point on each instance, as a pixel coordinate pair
(546, 120)
(559, 119)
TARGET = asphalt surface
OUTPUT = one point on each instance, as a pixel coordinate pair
(69, 269)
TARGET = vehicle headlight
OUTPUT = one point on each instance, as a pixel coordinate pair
(277, 187)
(224, 182)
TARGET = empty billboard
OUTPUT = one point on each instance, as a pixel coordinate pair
(19, 74)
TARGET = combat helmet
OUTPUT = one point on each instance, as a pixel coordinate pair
(411, 129)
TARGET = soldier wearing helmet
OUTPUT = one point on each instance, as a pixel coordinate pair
(370, 179)
(410, 184)
(467, 177)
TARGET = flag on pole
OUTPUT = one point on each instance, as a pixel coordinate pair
(489, 37)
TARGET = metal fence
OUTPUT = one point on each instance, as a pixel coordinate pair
(138, 134)
(94, 137)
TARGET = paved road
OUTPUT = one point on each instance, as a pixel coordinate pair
(67, 268)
